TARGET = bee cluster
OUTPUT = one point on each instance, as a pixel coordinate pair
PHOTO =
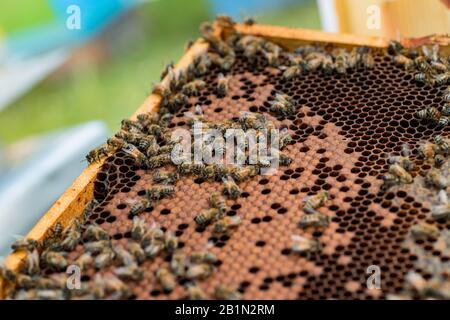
(160, 228)
(432, 70)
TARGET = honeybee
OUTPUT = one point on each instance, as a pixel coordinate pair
(97, 154)
(140, 206)
(134, 152)
(430, 113)
(433, 54)
(428, 150)
(424, 231)
(442, 210)
(32, 262)
(283, 105)
(71, 236)
(138, 229)
(442, 78)
(202, 64)
(84, 261)
(129, 272)
(170, 242)
(439, 160)
(178, 264)
(443, 121)
(284, 159)
(285, 139)
(104, 259)
(400, 173)
(166, 70)
(222, 84)
(404, 162)
(7, 274)
(136, 250)
(49, 283)
(166, 279)
(129, 125)
(292, 72)
(195, 292)
(54, 260)
(315, 220)
(155, 233)
(207, 216)
(425, 78)
(154, 248)
(395, 47)
(231, 189)
(311, 203)
(160, 191)
(216, 201)
(404, 61)
(110, 283)
(89, 210)
(443, 145)
(203, 257)
(245, 173)
(95, 233)
(25, 244)
(159, 161)
(341, 64)
(192, 88)
(162, 90)
(446, 109)
(24, 281)
(435, 179)
(249, 120)
(199, 271)
(224, 293)
(446, 95)
(165, 177)
(439, 66)
(303, 245)
(97, 246)
(226, 223)
(365, 57)
(124, 256)
(416, 281)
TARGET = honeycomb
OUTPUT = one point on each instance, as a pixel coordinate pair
(342, 133)
(344, 129)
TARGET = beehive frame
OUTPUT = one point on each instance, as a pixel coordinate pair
(73, 201)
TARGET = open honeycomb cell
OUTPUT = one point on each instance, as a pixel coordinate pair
(344, 128)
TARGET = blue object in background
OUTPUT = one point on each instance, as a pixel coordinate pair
(94, 14)
(239, 9)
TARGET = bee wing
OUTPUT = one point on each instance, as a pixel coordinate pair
(296, 237)
(189, 115)
(435, 52)
(406, 150)
(442, 196)
(284, 131)
(198, 109)
(306, 198)
(18, 237)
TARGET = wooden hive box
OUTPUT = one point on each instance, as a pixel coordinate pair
(73, 201)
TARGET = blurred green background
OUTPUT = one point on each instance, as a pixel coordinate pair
(112, 89)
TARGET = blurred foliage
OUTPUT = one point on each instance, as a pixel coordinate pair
(113, 90)
(16, 15)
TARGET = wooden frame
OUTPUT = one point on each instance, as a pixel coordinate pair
(73, 201)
